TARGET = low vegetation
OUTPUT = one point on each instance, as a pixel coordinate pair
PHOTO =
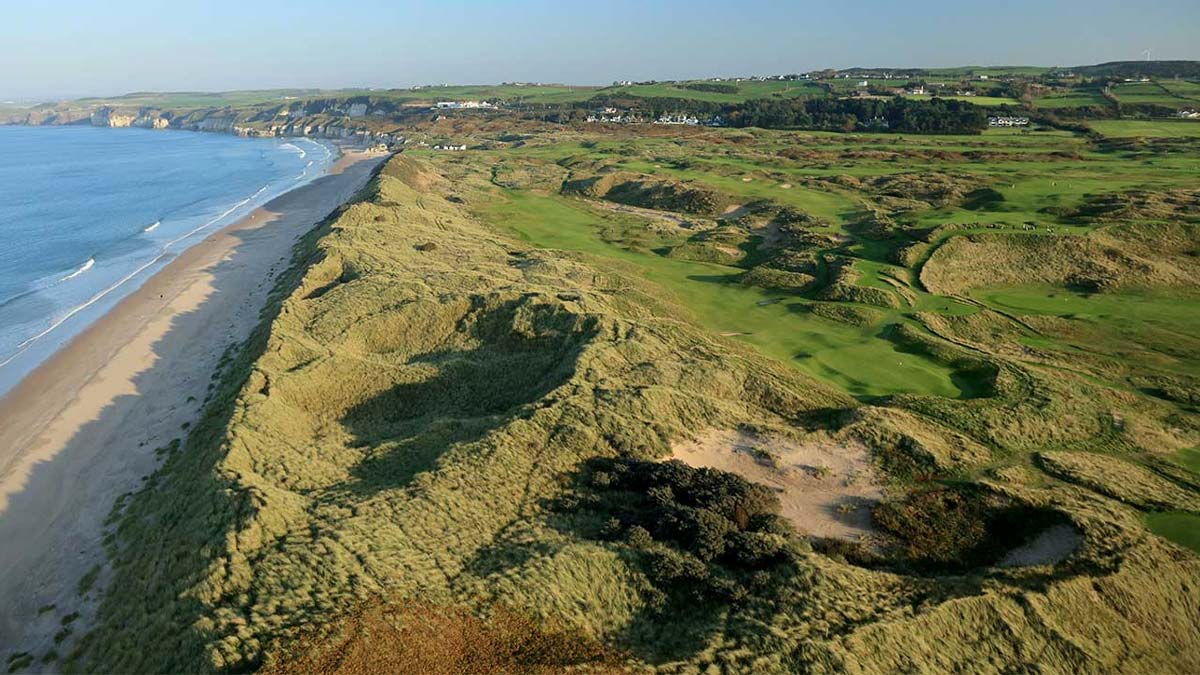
(447, 442)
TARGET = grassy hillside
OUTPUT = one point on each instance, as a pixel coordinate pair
(447, 433)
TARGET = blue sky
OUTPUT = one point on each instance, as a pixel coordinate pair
(77, 47)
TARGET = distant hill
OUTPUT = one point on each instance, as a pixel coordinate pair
(1142, 69)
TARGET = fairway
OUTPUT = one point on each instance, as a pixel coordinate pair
(855, 359)
(1181, 528)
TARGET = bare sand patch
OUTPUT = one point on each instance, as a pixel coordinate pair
(735, 211)
(785, 186)
(1053, 545)
(825, 488)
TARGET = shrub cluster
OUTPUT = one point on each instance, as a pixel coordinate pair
(709, 534)
(951, 529)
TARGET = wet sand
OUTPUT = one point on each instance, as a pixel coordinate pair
(82, 428)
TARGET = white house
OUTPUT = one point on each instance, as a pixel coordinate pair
(1008, 121)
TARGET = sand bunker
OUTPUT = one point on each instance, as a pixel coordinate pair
(1053, 545)
(825, 489)
(734, 211)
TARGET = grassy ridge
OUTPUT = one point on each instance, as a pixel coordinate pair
(423, 411)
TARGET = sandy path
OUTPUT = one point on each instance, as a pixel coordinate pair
(82, 428)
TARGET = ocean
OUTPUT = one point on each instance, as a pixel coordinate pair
(87, 214)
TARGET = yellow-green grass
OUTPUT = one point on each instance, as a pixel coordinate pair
(856, 359)
(408, 420)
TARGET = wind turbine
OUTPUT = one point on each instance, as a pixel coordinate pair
(1147, 54)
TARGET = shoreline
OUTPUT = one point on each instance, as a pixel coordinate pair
(18, 360)
(81, 428)
(359, 135)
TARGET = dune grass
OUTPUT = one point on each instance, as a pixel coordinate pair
(418, 423)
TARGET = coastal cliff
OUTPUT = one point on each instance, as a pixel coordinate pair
(326, 121)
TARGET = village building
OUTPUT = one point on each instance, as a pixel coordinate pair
(1008, 121)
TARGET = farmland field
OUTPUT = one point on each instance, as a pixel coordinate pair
(1155, 128)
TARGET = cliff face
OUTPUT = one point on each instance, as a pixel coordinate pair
(334, 123)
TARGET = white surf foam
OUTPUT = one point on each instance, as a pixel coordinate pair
(296, 148)
(152, 226)
(86, 266)
(28, 342)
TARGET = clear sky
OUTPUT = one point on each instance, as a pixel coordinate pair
(84, 47)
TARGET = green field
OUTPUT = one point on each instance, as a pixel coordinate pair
(1156, 128)
(1181, 528)
(855, 359)
(1154, 93)
(1072, 99)
(977, 100)
(746, 89)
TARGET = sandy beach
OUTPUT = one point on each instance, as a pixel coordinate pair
(82, 428)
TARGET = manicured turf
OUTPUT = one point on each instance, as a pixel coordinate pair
(1190, 457)
(856, 359)
(1181, 311)
(1147, 332)
(1181, 528)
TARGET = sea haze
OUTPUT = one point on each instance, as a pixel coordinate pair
(87, 214)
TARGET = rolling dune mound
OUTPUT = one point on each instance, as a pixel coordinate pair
(436, 425)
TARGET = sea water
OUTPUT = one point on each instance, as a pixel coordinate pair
(87, 214)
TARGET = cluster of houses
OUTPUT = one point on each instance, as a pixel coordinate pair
(463, 105)
(450, 147)
(615, 116)
(1188, 114)
(678, 118)
(1008, 121)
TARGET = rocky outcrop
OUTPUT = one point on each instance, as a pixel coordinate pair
(223, 120)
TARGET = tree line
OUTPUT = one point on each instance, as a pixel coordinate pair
(898, 114)
(932, 116)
